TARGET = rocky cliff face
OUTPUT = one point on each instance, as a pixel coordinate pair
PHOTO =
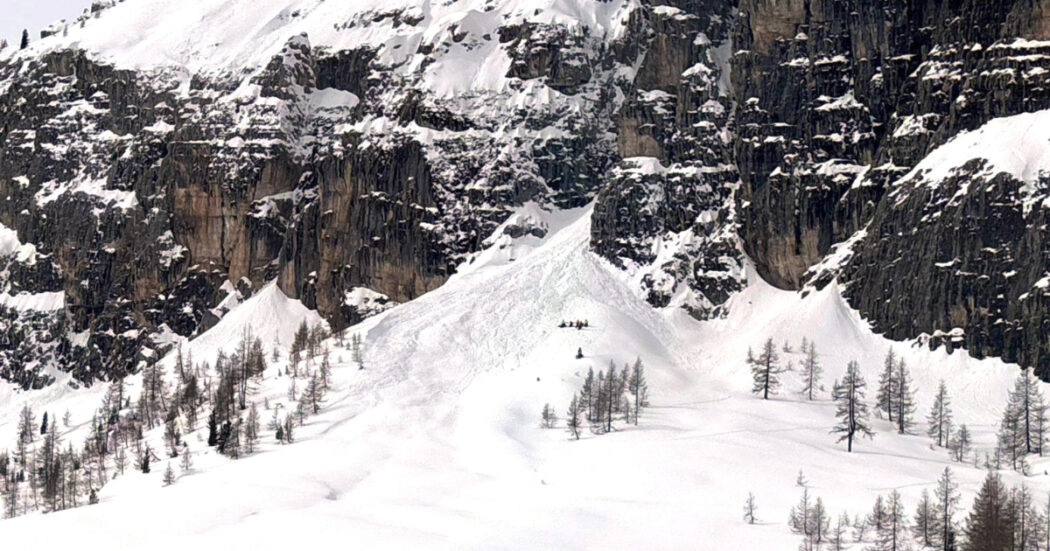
(353, 153)
(839, 101)
(355, 175)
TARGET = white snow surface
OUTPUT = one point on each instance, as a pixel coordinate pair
(1017, 145)
(214, 36)
(436, 443)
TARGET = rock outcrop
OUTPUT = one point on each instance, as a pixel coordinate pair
(359, 163)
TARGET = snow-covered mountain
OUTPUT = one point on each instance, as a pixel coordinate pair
(436, 443)
(450, 181)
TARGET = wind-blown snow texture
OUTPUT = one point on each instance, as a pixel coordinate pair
(436, 443)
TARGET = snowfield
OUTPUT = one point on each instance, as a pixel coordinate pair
(436, 444)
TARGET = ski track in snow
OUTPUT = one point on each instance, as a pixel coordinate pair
(436, 444)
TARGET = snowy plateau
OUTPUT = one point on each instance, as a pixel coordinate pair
(303, 274)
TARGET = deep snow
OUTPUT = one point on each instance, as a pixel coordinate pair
(437, 445)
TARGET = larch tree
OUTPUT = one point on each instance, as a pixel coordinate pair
(811, 370)
(940, 418)
(1028, 524)
(876, 519)
(169, 475)
(904, 400)
(638, 388)
(750, 508)
(547, 417)
(852, 412)
(924, 522)
(946, 495)
(893, 536)
(837, 540)
(821, 523)
(573, 421)
(961, 445)
(766, 370)
(884, 398)
(1025, 414)
(800, 520)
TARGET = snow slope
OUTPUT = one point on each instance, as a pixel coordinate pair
(436, 444)
(216, 36)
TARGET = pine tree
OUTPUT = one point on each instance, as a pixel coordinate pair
(892, 536)
(811, 370)
(43, 424)
(904, 399)
(766, 370)
(851, 411)
(940, 418)
(884, 398)
(960, 445)
(991, 524)
(25, 39)
(924, 521)
(750, 508)
(947, 499)
(800, 480)
(572, 418)
(579, 353)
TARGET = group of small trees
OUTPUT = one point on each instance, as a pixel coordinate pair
(45, 473)
(766, 369)
(606, 396)
(1000, 520)
(1024, 421)
(895, 396)
(316, 374)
